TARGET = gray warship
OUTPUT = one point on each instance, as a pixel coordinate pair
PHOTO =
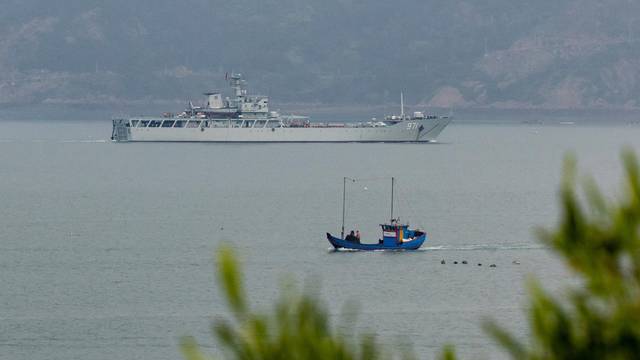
(246, 118)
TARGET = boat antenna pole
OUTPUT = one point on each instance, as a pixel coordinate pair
(401, 105)
(392, 181)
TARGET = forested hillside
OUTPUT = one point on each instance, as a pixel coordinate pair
(571, 54)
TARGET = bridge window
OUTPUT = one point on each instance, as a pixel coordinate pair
(134, 123)
(155, 123)
(143, 123)
(167, 123)
(193, 124)
(180, 123)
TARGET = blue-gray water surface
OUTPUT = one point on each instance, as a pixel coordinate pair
(106, 250)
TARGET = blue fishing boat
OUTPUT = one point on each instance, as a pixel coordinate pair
(395, 235)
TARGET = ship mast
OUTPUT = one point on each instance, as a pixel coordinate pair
(401, 105)
(238, 85)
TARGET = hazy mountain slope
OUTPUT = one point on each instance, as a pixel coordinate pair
(505, 54)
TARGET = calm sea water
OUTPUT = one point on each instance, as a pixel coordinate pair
(106, 249)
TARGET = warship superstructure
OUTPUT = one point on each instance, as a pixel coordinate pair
(246, 118)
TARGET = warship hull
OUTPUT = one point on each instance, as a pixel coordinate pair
(419, 130)
(246, 118)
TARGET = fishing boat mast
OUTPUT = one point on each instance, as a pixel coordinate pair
(344, 197)
(392, 183)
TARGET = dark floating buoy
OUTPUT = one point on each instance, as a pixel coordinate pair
(221, 227)
(492, 265)
(479, 264)
(455, 262)
(442, 262)
(464, 262)
(515, 262)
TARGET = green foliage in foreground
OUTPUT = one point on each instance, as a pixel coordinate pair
(297, 328)
(599, 240)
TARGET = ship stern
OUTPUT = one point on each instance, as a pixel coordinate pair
(120, 131)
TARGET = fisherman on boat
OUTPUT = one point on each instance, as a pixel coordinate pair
(352, 238)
